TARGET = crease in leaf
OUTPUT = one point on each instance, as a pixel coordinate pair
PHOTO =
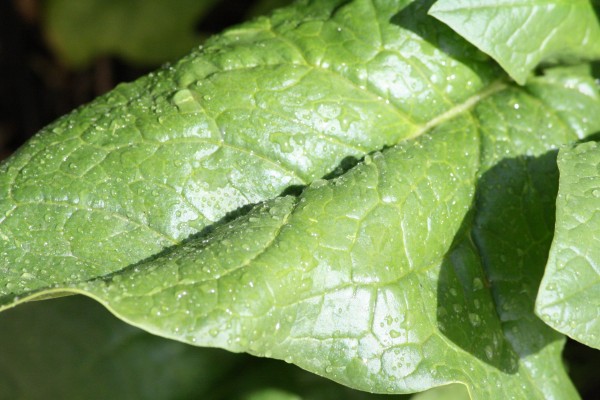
(311, 289)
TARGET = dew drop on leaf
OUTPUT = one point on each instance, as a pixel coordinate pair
(474, 319)
(489, 352)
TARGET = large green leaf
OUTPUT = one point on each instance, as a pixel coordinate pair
(569, 296)
(267, 106)
(520, 34)
(191, 203)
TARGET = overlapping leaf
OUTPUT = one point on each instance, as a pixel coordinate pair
(377, 276)
(520, 34)
(568, 299)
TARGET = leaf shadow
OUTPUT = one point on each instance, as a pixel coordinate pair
(489, 278)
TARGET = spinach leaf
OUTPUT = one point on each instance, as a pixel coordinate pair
(350, 186)
(265, 107)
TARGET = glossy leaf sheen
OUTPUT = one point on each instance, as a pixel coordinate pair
(377, 276)
(520, 34)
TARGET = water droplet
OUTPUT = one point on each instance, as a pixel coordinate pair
(489, 352)
(477, 284)
(27, 275)
(475, 319)
(156, 311)
(282, 141)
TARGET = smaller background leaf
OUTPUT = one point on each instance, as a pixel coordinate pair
(72, 348)
(519, 35)
(144, 32)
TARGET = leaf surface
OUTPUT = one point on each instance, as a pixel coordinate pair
(521, 34)
(72, 348)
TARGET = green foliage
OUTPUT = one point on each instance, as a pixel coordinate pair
(146, 32)
(350, 186)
